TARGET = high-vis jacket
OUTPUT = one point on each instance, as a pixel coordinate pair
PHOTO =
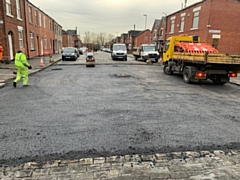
(21, 60)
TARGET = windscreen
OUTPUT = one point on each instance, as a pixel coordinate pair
(68, 50)
(149, 48)
(119, 48)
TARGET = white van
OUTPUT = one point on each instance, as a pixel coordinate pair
(119, 51)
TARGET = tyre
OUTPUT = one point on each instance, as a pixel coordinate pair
(125, 59)
(136, 58)
(167, 70)
(187, 75)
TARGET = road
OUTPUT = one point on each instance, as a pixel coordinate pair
(115, 108)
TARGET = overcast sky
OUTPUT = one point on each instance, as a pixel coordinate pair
(108, 16)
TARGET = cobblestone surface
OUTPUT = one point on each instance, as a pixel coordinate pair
(205, 165)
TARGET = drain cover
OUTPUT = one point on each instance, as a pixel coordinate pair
(122, 75)
(57, 69)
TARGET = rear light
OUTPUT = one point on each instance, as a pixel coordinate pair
(200, 75)
(232, 74)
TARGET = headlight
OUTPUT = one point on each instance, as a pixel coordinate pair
(72, 54)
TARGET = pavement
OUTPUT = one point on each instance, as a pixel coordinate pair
(6, 70)
(193, 165)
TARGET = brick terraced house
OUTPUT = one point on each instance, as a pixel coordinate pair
(215, 21)
(24, 26)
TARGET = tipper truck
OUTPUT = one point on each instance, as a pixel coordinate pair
(198, 61)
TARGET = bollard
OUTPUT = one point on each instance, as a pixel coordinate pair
(51, 58)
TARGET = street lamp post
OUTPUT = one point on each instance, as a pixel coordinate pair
(145, 27)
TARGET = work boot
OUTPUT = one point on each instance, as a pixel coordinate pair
(25, 85)
(14, 84)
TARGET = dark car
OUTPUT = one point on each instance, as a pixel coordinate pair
(70, 53)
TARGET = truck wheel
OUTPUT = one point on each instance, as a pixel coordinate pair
(167, 70)
(187, 75)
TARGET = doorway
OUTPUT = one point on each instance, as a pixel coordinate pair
(10, 42)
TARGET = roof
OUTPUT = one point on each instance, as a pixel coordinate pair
(142, 32)
(156, 23)
(134, 33)
(201, 1)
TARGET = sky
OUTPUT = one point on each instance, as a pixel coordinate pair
(108, 16)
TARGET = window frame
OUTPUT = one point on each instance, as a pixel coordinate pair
(20, 36)
(40, 19)
(215, 42)
(18, 9)
(9, 8)
(172, 21)
(196, 18)
(182, 23)
(30, 14)
(32, 45)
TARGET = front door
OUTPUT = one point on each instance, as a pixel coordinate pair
(10, 42)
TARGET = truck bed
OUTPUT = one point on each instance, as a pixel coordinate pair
(202, 58)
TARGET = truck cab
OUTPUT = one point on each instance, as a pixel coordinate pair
(146, 52)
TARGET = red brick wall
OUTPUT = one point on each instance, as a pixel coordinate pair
(221, 15)
(40, 32)
(225, 16)
(10, 24)
(140, 38)
(68, 40)
(2, 28)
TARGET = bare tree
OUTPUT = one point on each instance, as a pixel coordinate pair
(102, 37)
(87, 37)
(97, 39)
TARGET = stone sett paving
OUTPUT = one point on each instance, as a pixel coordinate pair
(219, 165)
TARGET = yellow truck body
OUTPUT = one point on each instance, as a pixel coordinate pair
(186, 55)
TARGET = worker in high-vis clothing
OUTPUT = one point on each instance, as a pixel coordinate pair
(22, 67)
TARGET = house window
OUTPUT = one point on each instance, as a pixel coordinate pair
(18, 9)
(32, 40)
(36, 16)
(172, 25)
(50, 44)
(195, 19)
(20, 36)
(49, 24)
(44, 21)
(40, 19)
(155, 34)
(30, 14)
(215, 43)
(45, 42)
(8, 7)
(182, 23)
(161, 32)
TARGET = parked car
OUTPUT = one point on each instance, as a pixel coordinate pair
(70, 53)
(82, 50)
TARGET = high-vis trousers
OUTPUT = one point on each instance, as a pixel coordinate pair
(22, 72)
